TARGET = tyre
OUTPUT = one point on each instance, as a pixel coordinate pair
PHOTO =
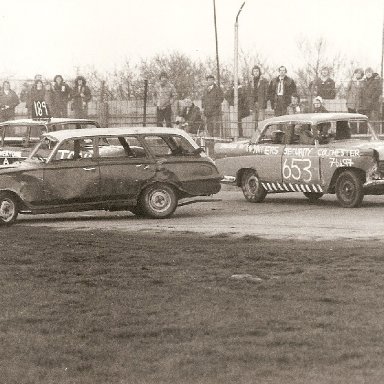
(8, 209)
(349, 189)
(252, 189)
(158, 201)
(313, 196)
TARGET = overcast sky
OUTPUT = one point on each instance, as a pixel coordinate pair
(56, 36)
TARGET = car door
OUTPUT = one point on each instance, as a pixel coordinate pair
(72, 177)
(268, 152)
(179, 163)
(300, 161)
(124, 167)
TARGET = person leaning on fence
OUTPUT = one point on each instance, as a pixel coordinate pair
(295, 106)
(211, 103)
(61, 96)
(355, 92)
(259, 95)
(371, 94)
(243, 106)
(280, 90)
(190, 115)
(8, 102)
(318, 106)
(324, 86)
(81, 96)
(164, 95)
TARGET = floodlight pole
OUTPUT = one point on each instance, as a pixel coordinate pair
(236, 75)
(217, 45)
(382, 75)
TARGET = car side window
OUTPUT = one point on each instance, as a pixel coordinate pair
(158, 146)
(122, 146)
(74, 149)
(169, 145)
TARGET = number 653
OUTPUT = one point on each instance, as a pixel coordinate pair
(297, 169)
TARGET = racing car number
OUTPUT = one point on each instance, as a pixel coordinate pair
(297, 169)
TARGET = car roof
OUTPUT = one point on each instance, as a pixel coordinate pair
(315, 118)
(116, 131)
(53, 120)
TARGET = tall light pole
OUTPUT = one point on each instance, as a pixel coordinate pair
(382, 75)
(217, 45)
(236, 75)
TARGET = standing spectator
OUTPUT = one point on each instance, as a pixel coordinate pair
(190, 115)
(243, 106)
(163, 97)
(24, 93)
(81, 95)
(61, 96)
(259, 94)
(295, 106)
(8, 102)
(318, 106)
(49, 96)
(211, 104)
(280, 91)
(37, 93)
(324, 86)
(371, 94)
(355, 92)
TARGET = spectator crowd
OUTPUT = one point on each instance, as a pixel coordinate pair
(56, 94)
(363, 95)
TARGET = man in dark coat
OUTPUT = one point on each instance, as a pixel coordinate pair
(81, 95)
(243, 105)
(211, 104)
(280, 91)
(8, 102)
(259, 95)
(61, 95)
(371, 94)
(324, 86)
(191, 117)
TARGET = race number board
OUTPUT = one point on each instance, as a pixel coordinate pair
(40, 110)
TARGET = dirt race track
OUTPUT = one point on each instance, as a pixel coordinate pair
(280, 216)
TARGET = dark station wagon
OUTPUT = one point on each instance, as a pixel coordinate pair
(143, 170)
(18, 137)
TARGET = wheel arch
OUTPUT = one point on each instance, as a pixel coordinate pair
(332, 185)
(240, 173)
(21, 205)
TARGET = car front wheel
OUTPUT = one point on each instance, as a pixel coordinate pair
(158, 201)
(252, 189)
(8, 209)
(349, 189)
(313, 196)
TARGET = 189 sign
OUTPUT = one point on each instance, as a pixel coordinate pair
(40, 110)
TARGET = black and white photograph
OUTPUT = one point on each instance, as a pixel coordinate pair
(192, 192)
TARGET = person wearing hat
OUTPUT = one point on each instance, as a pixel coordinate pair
(318, 106)
(211, 103)
(81, 96)
(164, 95)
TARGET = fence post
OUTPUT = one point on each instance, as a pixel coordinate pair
(145, 103)
(103, 109)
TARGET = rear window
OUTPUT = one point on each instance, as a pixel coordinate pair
(22, 135)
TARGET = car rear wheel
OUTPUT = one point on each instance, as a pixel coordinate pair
(313, 196)
(8, 209)
(349, 189)
(158, 201)
(252, 189)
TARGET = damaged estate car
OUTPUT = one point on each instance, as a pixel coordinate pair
(143, 170)
(336, 153)
(18, 137)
